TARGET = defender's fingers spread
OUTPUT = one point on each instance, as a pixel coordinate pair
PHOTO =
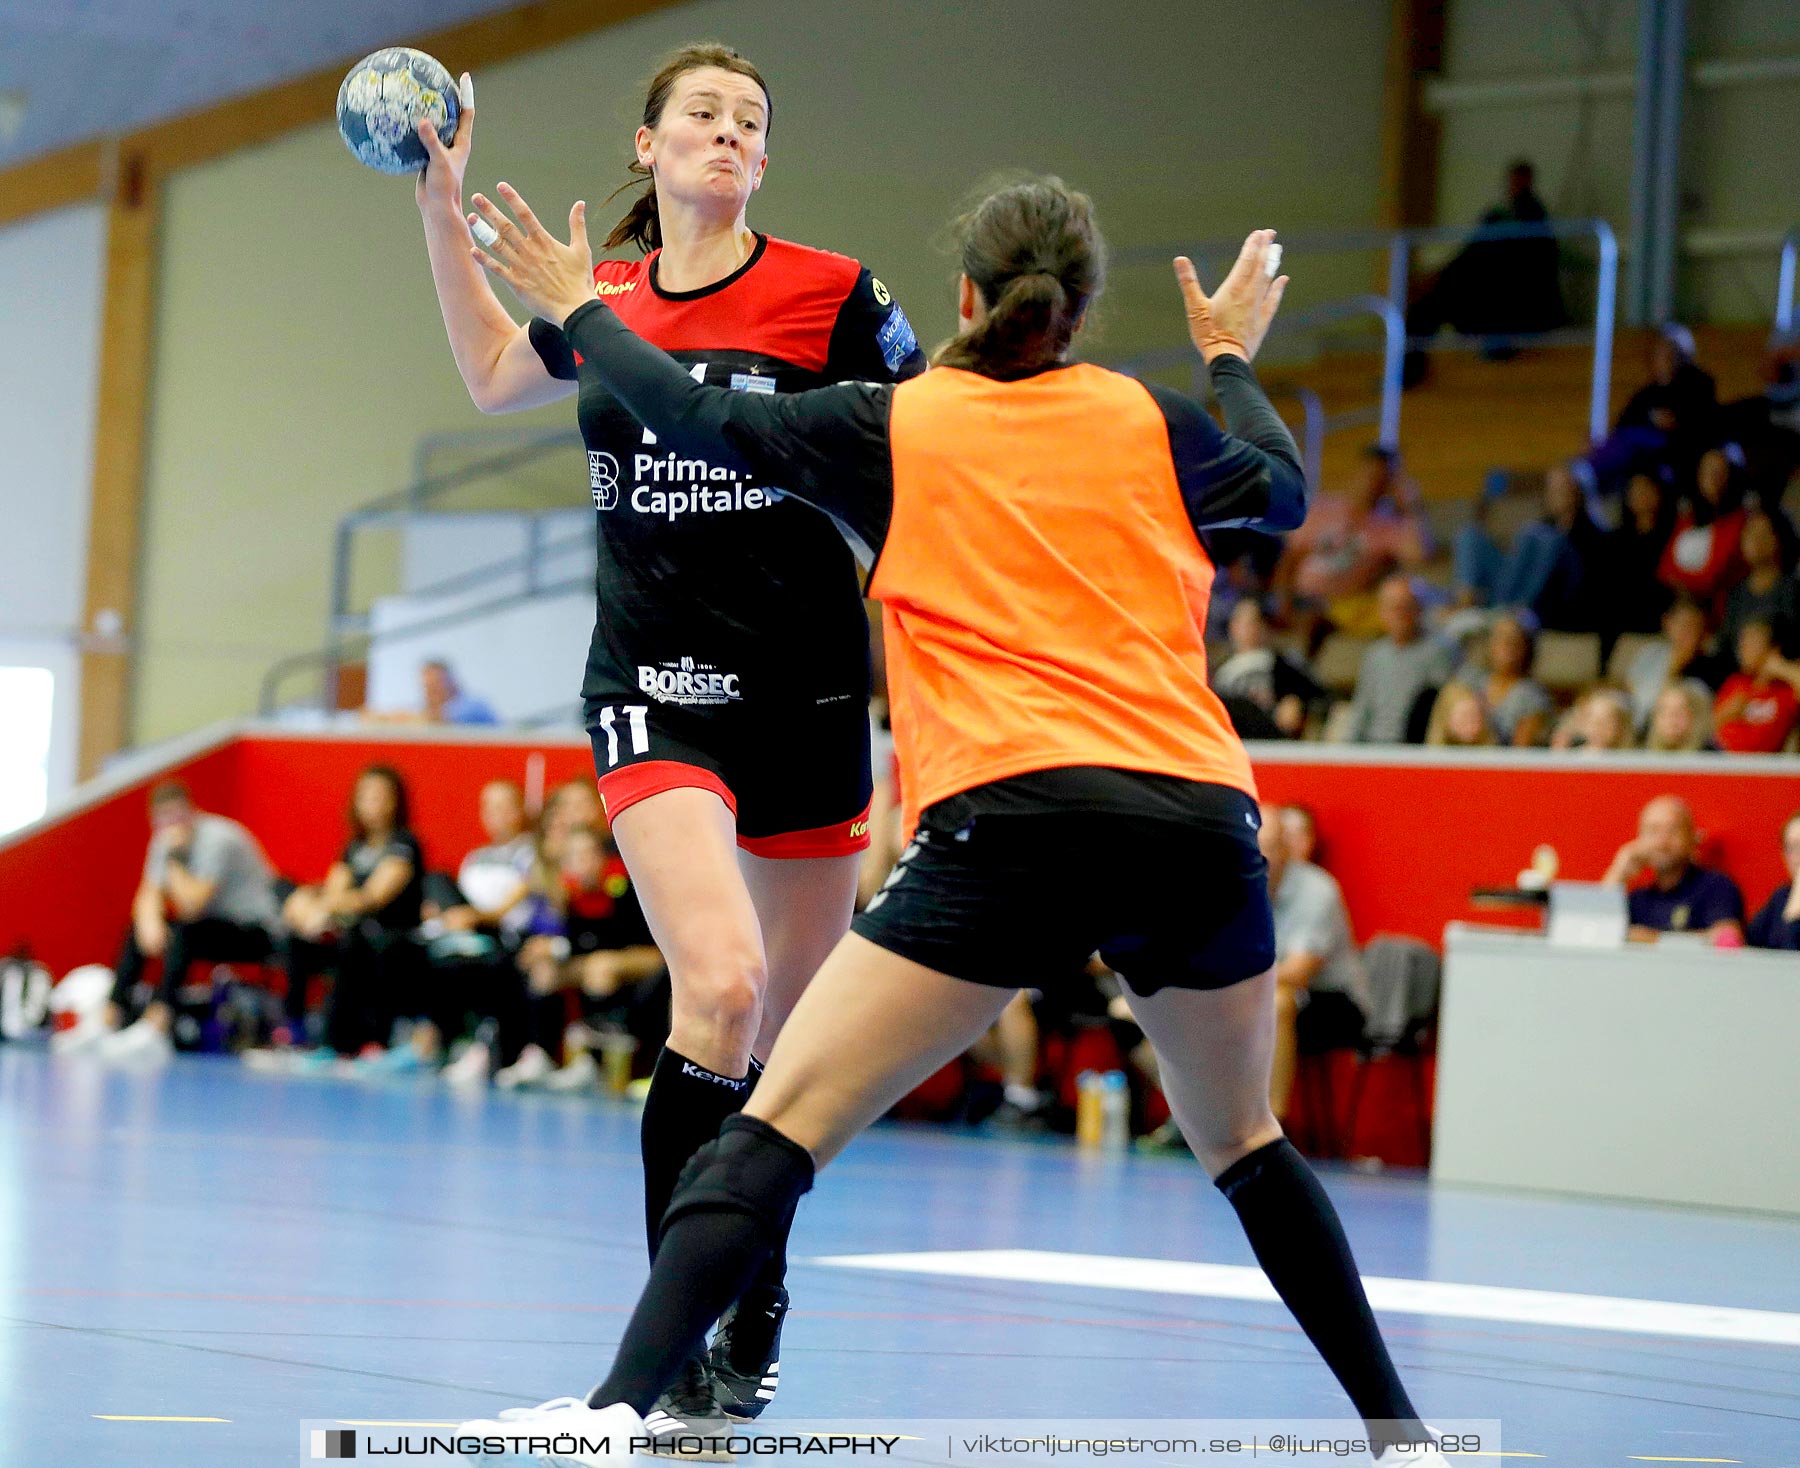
(516, 201)
(1189, 282)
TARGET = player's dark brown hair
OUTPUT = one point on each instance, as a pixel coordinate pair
(1035, 254)
(640, 226)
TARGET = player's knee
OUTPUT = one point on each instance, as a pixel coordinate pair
(722, 991)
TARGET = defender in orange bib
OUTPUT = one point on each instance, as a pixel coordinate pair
(1041, 528)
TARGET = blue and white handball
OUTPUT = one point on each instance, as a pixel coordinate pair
(380, 104)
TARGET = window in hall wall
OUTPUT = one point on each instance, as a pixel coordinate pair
(25, 696)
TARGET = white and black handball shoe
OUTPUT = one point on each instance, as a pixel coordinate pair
(746, 1353)
(687, 1420)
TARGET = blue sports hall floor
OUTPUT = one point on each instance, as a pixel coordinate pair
(193, 1263)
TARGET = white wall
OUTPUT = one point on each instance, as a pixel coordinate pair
(51, 278)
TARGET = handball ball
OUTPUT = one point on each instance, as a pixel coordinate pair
(382, 100)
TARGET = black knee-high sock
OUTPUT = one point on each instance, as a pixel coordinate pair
(1297, 1238)
(735, 1199)
(685, 1107)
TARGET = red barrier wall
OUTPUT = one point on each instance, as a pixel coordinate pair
(1410, 842)
(1408, 839)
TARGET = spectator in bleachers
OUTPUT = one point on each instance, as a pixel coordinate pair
(359, 920)
(471, 942)
(207, 892)
(1704, 556)
(1459, 719)
(1300, 832)
(1600, 723)
(1332, 565)
(1681, 896)
(1681, 653)
(1549, 567)
(1400, 671)
(1682, 719)
(1764, 594)
(1777, 922)
(591, 939)
(1268, 692)
(1768, 424)
(1494, 288)
(1517, 706)
(1666, 422)
(1759, 706)
(1635, 597)
(1322, 993)
(442, 700)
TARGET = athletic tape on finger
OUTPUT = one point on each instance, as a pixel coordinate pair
(466, 92)
(485, 234)
(1272, 262)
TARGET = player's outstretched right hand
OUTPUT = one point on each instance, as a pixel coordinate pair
(439, 183)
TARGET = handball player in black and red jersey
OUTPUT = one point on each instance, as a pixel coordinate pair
(728, 678)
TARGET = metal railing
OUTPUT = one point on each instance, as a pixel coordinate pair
(1784, 283)
(1400, 246)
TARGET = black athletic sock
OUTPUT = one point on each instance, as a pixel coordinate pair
(685, 1107)
(735, 1199)
(1297, 1238)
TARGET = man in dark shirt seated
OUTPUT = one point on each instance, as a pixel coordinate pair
(1778, 924)
(1681, 896)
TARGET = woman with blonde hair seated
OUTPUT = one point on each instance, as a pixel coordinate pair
(1599, 723)
(1459, 719)
(1682, 718)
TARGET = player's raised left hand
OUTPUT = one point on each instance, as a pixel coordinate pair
(551, 278)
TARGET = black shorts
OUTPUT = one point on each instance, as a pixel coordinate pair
(796, 777)
(1021, 901)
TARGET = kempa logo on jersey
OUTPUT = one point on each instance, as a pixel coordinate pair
(683, 682)
(603, 479)
(614, 287)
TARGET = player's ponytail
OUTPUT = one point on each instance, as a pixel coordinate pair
(642, 226)
(1036, 256)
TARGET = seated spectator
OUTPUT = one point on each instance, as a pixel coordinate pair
(1599, 724)
(1300, 832)
(1680, 654)
(1704, 554)
(471, 943)
(1759, 705)
(444, 701)
(1765, 594)
(1497, 287)
(1768, 424)
(590, 938)
(1517, 706)
(1333, 563)
(1322, 993)
(358, 922)
(1635, 596)
(1681, 896)
(1011, 1047)
(1459, 719)
(1549, 566)
(1268, 693)
(1399, 672)
(1682, 719)
(1777, 923)
(206, 893)
(1668, 421)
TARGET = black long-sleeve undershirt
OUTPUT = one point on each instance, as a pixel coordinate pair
(830, 446)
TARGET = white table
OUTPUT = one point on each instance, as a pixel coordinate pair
(1655, 1072)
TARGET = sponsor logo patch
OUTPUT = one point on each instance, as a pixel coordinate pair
(896, 339)
(603, 479)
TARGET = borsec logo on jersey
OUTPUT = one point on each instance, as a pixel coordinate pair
(603, 479)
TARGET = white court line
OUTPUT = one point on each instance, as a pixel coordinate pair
(1403, 1296)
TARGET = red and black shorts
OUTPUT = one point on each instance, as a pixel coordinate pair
(795, 777)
